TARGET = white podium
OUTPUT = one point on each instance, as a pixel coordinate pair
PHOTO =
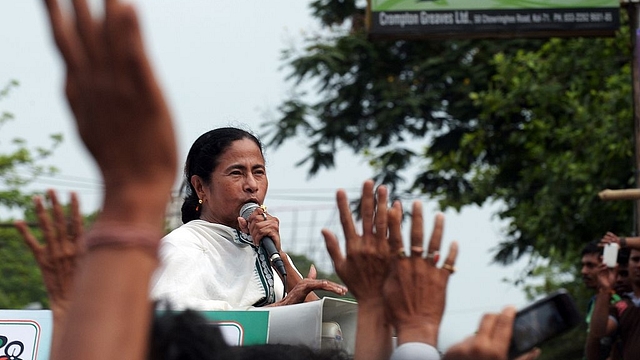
(302, 323)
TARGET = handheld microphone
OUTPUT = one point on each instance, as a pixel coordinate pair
(272, 253)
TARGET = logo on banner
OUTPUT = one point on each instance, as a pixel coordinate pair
(19, 339)
(12, 350)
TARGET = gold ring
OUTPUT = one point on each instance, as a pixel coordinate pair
(417, 250)
(449, 268)
(401, 254)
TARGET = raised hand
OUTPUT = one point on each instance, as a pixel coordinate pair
(58, 256)
(120, 112)
(365, 268)
(366, 264)
(415, 291)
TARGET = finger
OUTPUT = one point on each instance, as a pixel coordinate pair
(346, 219)
(485, 330)
(62, 35)
(333, 287)
(44, 221)
(450, 261)
(333, 247)
(312, 272)
(28, 237)
(503, 329)
(381, 220)
(58, 216)
(417, 229)
(77, 227)
(395, 234)
(436, 235)
(311, 285)
(85, 28)
(126, 44)
(243, 225)
(452, 255)
(367, 207)
(531, 355)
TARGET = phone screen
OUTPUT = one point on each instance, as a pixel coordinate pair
(537, 325)
(543, 320)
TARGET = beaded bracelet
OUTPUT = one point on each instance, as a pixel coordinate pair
(124, 235)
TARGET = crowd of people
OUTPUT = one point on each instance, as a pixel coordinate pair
(104, 282)
(613, 316)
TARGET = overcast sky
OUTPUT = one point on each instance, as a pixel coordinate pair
(220, 64)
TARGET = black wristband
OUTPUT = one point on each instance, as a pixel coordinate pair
(623, 242)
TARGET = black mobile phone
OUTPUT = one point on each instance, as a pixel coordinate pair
(542, 320)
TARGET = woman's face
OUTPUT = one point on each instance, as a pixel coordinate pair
(239, 177)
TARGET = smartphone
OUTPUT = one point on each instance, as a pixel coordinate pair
(542, 320)
(610, 255)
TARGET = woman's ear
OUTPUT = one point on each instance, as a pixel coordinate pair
(198, 185)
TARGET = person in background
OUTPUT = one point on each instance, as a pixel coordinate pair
(217, 260)
(623, 316)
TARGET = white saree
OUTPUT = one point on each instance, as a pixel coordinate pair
(206, 266)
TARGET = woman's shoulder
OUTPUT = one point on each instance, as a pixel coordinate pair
(201, 232)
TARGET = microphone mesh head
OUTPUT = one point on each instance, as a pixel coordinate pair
(247, 209)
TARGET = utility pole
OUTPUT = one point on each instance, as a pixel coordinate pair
(633, 9)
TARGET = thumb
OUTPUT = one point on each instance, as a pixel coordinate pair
(312, 272)
(243, 224)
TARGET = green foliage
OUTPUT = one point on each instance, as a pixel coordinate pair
(21, 282)
(539, 126)
(553, 129)
(21, 165)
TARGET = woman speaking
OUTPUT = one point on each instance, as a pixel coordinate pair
(217, 259)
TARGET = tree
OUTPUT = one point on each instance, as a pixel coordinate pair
(540, 126)
(22, 165)
(21, 282)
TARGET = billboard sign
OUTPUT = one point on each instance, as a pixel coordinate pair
(491, 18)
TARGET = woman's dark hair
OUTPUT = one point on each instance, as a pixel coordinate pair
(203, 158)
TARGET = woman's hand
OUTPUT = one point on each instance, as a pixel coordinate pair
(261, 224)
(307, 285)
(415, 291)
(366, 265)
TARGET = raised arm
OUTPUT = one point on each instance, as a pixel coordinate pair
(630, 242)
(365, 268)
(125, 124)
(601, 325)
